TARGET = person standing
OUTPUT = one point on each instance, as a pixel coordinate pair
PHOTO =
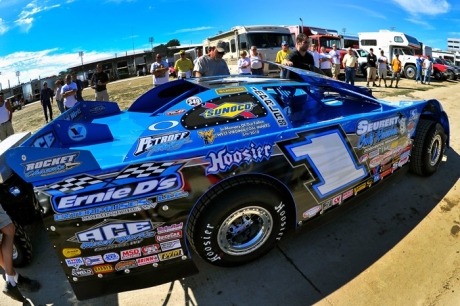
(300, 58)
(257, 67)
(396, 70)
(335, 54)
(212, 63)
(314, 52)
(325, 62)
(383, 62)
(6, 118)
(280, 56)
(46, 98)
(244, 65)
(199, 53)
(350, 64)
(99, 82)
(79, 84)
(371, 67)
(68, 92)
(159, 71)
(418, 64)
(428, 63)
(183, 66)
(58, 96)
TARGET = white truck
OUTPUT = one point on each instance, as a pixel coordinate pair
(267, 39)
(392, 42)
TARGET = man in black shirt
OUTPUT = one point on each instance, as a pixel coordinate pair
(79, 83)
(371, 67)
(99, 82)
(300, 58)
(46, 98)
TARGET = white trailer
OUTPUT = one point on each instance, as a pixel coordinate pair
(266, 38)
(392, 42)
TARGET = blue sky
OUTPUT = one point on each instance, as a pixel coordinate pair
(43, 37)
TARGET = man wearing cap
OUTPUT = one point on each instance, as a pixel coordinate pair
(183, 66)
(371, 67)
(335, 54)
(212, 63)
(6, 118)
(281, 55)
(160, 71)
(396, 69)
(46, 98)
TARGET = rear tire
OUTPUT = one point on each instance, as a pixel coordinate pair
(238, 222)
(428, 148)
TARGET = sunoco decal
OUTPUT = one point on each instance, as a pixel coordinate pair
(228, 110)
(272, 107)
(163, 142)
(224, 159)
(111, 232)
(51, 166)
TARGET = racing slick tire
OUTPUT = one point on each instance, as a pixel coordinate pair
(22, 247)
(238, 222)
(428, 147)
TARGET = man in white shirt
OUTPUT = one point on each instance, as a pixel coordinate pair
(160, 71)
(335, 54)
(68, 92)
(315, 55)
(325, 62)
(382, 68)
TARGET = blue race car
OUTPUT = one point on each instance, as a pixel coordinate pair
(221, 165)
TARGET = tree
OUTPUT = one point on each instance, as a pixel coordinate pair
(173, 43)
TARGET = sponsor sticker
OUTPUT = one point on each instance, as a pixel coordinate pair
(228, 110)
(376, 161)
(97, 109)
(111, 257)
(347, 194)
(272, 107)
(129, 264)
(231, 90)
(71, 252)
(163, 142)
(175, 112)
(337, 200)
(105, 268)
(44, 141)
(147, 260)
(170, 255)
(208, 136)
(169, 236)
(51, 166)
(193, 101)
(151, 249)
(312, 212)
(169, 245)
(363, 158)
(77, 132)
(74, 262)
(82, 272)
(132, 253)
(93, 260)
(169, 228)
(164, 125)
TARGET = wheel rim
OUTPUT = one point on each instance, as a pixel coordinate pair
(435, 150)
(410, 72)
(245, 230)
(15, 253)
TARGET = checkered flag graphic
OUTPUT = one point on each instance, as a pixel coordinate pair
(144, 170)
(75, 183)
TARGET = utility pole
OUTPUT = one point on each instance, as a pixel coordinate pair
(392, 28)
(17, 74)
(80, 54)
(344, 30)
(151, 40)
(301, 28)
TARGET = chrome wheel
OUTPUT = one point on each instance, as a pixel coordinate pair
(435, 150)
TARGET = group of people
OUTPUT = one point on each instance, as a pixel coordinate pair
(69, 93)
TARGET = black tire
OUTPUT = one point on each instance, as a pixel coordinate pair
(22, 248)
(451, 75)
(364, 70)
(238, 222)
(428, 147)
(437, 75)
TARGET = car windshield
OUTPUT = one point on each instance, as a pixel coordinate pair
(362, 53)
(269, 40)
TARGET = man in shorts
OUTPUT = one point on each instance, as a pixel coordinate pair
(382, 66)
(396, 69)
(13, 281)
(335, 55)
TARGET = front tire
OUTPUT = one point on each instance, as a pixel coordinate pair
(410, 72)
(428, 149)
(22, 247)
(238, 222)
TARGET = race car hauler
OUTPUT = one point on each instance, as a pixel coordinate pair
(266, 38)
(391, 43)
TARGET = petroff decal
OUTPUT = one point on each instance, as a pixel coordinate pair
(272, 107)
(147, 260)
(107, 211)
(51, 166)
(122, 265)
(111, 257)
(77, 132)
(111, 232)
(135, 181)
(105, 268)
(97, 109)
(372, 133)
(150, 249)
(224, 159)
(193, 101)
(130, 254)
(171, 254)
(228, 110)
(45, 141)
(71, 252)
(72, 114)
(208, 136)
(226, 91)
(93, 260)
(74, 262)
(82, 272)
(175, 112)
(169, 236)
(248, 128)
(169, 228)
(164, 142)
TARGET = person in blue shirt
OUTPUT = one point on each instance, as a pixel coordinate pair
(419, 63)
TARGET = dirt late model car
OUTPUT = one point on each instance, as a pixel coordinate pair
(221, 165)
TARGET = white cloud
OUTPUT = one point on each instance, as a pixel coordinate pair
(369, 12)
(3, 26)
(420, 22)
(424, 7)
(26, 19)
(191, 30)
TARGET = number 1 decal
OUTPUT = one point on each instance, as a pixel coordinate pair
(329, 159)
